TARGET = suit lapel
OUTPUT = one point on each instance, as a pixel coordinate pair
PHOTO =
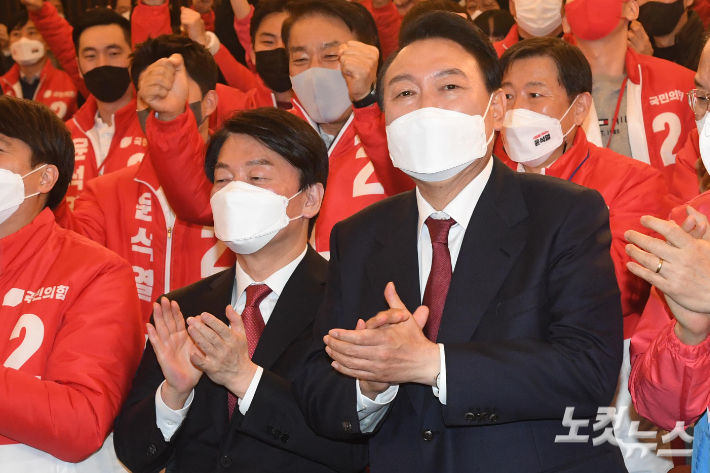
(215, 303)
(295, 309)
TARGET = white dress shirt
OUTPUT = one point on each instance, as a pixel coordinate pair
(460, 209)
(169, 420)
(101, 136)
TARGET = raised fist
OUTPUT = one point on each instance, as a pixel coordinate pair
(163, 87)
(358, 63)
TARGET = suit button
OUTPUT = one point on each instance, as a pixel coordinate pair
(284, 438)
(486, 416)
(347, 427)
(152, 450)
(268, 429)
(226, 461)
(470, 417)
(479, 417)
(427, 435)
(276, 434)
(494, 418)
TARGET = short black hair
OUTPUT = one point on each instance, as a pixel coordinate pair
(427, 6)
(47, 137)
(573, 70)
(199, 63)
(355, 16)
(18, 21)
(450, 26)
(100, 17)
(495, 23)
(263, 9)
(283, 133)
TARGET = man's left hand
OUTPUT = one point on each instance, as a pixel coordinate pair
(224, 353)
(358, 63)
(395, 352)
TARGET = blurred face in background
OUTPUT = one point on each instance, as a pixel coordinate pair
(476, 7)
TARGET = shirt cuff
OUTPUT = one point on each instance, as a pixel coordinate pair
(251, 390)
(370, 412)
(168, 420)
(440, 388)
(213, 43)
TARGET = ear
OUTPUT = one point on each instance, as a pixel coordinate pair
(314, 199)
(565, 25)
(630, 10)
(511, 7)
(48, 178)
(688, 3)
(209, 103)
(582, 107)
(498, 106)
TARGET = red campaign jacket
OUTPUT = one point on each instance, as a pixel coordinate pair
(685, 185)
(128, 145)
(242, 78)
(630, 190)
(360, 173)
(669, 381)
(71, 339)
(513, 37)
(658, 115)
(149, 22)
(126, 211)
(55, 89)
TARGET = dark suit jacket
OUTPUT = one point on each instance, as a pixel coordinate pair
(273, 436)
(532, 324)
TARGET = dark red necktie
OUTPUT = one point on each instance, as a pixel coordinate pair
(253, 326)
(437, 286)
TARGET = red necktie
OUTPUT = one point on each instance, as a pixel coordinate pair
(253, 326)
(437, 286)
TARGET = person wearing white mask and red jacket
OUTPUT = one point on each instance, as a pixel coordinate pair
(639, 100)
(127, 211)
(71, 335)
(33, 76)
(534, 19)
(333, 62)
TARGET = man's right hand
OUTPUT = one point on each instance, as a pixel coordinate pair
(173, 345)
(33, 5)
(163, 87)
(194, 25)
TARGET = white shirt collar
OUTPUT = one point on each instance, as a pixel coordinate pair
(276, 281)
(521, 168)
(461, 208)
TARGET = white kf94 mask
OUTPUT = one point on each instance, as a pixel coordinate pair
(323, 93)
(434, 144)
(26, 52)
(531, 137)
(12, 192)
(538, 17)
(704, 133)
(247, 217)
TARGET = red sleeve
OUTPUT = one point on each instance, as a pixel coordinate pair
(177, 152)
(388, 22)
(643, 195)
(208, 18)
(86, 219)
(149, 22)
(669, 381)
(58, 34)
(684, 185)
(369, 124)
(241, 27)
(235, 73)
(70, 411)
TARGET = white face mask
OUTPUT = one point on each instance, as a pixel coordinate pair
(704, 133)
(475, 14)
(531, 137)
(248, 217)
(434, 144)
(26, 52)
(323, 93)
(538, 17)
(12, 192)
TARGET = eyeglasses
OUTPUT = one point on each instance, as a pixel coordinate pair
(699, 100)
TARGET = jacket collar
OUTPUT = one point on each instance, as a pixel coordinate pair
(572, 159)
(18, 248)
(85, 118)
(633, 61)
(13, 75)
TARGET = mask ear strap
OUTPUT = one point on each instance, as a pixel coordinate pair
(294, 196)
(563, 117)
(32, 171)
(490, 100)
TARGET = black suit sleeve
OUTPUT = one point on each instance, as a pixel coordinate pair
(578, 362)
(138, 441)
(275, 418)
(327, 398)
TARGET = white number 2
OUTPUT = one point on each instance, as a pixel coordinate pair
(360, 185)
(674, 129)
(34, 334)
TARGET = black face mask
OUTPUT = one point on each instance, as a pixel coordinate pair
(108, 83)
(195, 107)
(660, 19)
(272, 67)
